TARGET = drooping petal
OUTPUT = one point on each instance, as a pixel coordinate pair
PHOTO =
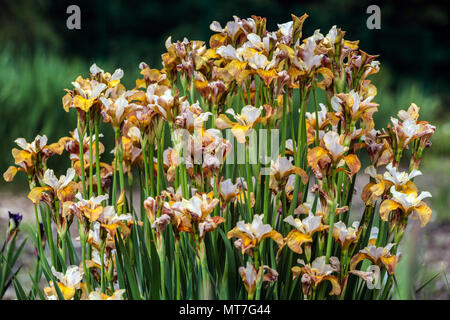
(423, 213)
(336, 287)
(353, 163)
(10, 173)
(276, 236)
(35, 194)
(386, 207)
(390, 262)
(236, 232)
(295, 240)
(360, 256)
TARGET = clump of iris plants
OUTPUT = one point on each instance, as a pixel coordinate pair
(229, 178)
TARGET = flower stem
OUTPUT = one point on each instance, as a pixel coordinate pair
(91, 161)
(97, 156)
(81, 147)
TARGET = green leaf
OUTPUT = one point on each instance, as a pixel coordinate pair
(428, 282)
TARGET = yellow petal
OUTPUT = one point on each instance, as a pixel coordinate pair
(235, 67)
(217, 40)
(336, 287)
(121, 200)
(267, 76)
(58, 147)
(366, 194)
(68, 292)
(302, 174)
(318, 159)
(82, 103)
(386, 207)
(140, 83)
(295, 239)
(353, 163)
(35, 194)
(222, 122)
(67, 101)
(296, 271)
(358, 258)
(235, 232)
(22, 156)
(351, 44)
(239, 132)
(276, 236)
(378, 188)
(327, 78)
(68, 193)
(10, 173)
(93, 214)
(390, 263)
(424, 214)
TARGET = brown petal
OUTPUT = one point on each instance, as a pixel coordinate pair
(353, 163)
(386, 207)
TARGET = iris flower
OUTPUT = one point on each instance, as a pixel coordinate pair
(68, 282)
(379, 256)
(116, 295)
(250, 276)
(315, 273)
(27, 159)
(63, 188)
(280, 172)
(252, 234)
(85, 94)
(91, 209)
(346, 236)
(193, 215)
(409, 202)
(303, 231)
(333, 152)
(245, 121)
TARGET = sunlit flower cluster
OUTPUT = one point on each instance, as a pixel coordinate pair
(201, 219)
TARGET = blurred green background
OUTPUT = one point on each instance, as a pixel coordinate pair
(39, 57)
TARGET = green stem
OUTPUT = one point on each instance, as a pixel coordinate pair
(177, 269)
(97, 156)
(330, 231)
(83, 255)
(283, 126)
(102, 259)
(120, 162)
(114, 187)
(162, 266)
(81, 147)
(160, 176)
(152, 172)
(301, 145)
(91, 161)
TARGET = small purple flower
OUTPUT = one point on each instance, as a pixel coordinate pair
(14, 221)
